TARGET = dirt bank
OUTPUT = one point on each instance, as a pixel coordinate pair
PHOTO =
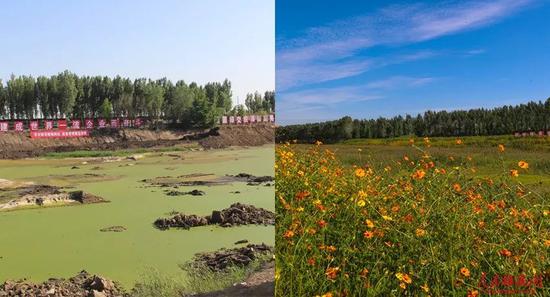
(20, 145)
(240, 135)
(81, 285)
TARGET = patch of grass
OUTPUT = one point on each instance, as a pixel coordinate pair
(195, 279)
(114, 153)
(364, 219)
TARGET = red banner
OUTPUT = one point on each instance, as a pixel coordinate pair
(114, 123)
(48, 125)
(138, 122)
(18, 126)
(89, 123)
(33, 125)
(60, 134)
(75, 124)
(62, 124)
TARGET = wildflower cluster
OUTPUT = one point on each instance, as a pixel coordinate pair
(412, 227)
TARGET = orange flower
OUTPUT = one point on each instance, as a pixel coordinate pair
(420, 232)
(523, 165)
(360, 172)
(459, 141)
(322, 223)
(505, 253)
(311, 261)
(457, 187)
(301, 195)
(288, 234)
(368, 234)
(419, 174)
(473, 293)
(514, 173)
(501, 148)
(403, 277)
(465, 272)
(332, 272)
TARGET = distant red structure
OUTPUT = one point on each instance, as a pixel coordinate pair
(64, 124)
(540, 133)
(247, 119)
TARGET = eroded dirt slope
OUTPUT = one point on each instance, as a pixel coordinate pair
(19, 145)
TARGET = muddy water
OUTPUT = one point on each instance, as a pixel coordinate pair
(59, 242)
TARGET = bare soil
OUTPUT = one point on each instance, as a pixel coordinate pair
(17, 145)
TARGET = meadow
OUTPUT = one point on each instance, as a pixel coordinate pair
(413, 217)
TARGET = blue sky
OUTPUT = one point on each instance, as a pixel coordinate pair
(200, 41)
(379, 58)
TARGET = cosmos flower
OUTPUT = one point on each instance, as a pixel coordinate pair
(523, 165)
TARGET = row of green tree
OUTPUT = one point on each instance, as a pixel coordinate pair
(67, 95)
(533, 116)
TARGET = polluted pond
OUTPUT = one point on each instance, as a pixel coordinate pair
(98, 237)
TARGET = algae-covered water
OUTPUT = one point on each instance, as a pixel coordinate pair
(61, 241)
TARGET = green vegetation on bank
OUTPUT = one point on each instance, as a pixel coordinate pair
(195, 279)
(533, 116)
(118, 153)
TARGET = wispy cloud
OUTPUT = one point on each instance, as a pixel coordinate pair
(332, 51)
(299, 106)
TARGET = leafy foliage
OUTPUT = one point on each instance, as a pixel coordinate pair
(69, 95)
(533, 116)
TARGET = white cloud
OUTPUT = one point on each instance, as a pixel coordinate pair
(332, 51)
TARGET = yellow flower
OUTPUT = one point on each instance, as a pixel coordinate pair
(425, 288)
(362, 194)
(387, 218)
(369, 223)
(420, 232)
(501, 148)
(361, 203)
(360, 172)
(523, 165)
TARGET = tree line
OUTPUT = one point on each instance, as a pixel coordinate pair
(532, 116)
(67, 95)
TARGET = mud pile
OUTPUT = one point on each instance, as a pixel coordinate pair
(224, 258)
(42, 195)
(236, 214)
(253, 180)
(81, 285)
(240, 135)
